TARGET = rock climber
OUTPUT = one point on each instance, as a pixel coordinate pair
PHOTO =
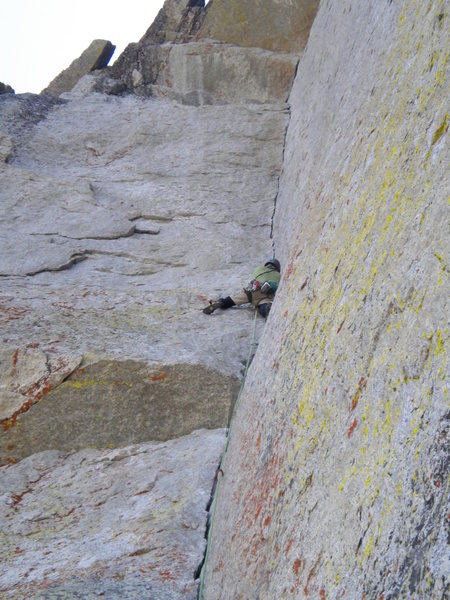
(260, 291)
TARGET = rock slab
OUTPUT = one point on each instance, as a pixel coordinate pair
(206, 72)
(126, 523)
(201, 73)
(109, 404)
(122, 216)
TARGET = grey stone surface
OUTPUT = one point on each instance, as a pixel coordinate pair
(126, 523)
(337, 473)
(208, 72)
(96, 56)
(6, 147)
(336, 480)
(114, 235)
(98, 81)
(122, 216)
(10, 403)
(31, 369)
(19, 113)
(26, 375)
(213, 73)
(141, 62)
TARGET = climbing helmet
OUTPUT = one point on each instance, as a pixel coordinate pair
(274, 263)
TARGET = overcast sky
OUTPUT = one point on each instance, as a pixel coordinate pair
(40, 38)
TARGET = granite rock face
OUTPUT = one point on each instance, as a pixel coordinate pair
(5, 147)
(337, 473)
(125, 523)
(205, 72)
(177, 21)
(96, 56)
(19, 113)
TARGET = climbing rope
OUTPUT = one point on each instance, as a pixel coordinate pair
(219, 471)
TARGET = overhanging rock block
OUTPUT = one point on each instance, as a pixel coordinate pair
(96, 56)
(277, 25)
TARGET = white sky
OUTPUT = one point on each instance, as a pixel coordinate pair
(40, 38)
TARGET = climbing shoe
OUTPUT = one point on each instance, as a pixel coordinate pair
(208, 310)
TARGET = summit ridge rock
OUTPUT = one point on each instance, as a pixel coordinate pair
(204, 55)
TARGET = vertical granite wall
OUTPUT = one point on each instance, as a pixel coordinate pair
(336, 481)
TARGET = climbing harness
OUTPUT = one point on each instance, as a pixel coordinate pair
(219, 473)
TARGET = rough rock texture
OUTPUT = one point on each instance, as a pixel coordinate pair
(336, 478)
(184, 55)
(6, 89)
(140, 62)
(160, 201)
(19, 113)
(176, 21)
(126, 523)
(6, 146)
(26, 375)
(96, 56)
(277, 25)
(208, 72)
